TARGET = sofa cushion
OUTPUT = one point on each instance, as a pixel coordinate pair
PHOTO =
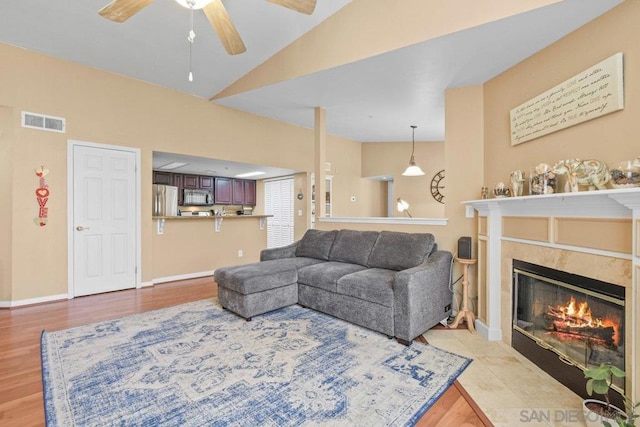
(326, 274)
(260, 276)
(353, 246)
(316, 244)
(372, 284)
(398, 251)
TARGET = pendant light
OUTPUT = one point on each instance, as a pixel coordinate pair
(413, 169)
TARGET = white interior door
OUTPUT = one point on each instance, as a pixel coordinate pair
(104, 194)
(279, 203)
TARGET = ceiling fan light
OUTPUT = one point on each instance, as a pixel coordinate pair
(193, 4)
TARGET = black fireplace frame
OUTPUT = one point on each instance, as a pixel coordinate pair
(555, 364)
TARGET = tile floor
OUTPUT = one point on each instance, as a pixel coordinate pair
(509, 389)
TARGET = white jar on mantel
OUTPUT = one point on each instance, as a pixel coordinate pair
(542, 180)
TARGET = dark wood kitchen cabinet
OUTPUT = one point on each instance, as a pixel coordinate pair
(226, 191)
(198, 182)
(223, 191)
(206, 182)
(238, 192)
(163, 178)
(250, 193)
(229, 191)
(191, 181)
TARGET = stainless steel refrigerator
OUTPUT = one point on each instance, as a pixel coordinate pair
(165, 200)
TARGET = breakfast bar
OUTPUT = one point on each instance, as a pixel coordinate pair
(186, 247)
(217, 219)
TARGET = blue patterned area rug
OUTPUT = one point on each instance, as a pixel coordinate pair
(196, 364)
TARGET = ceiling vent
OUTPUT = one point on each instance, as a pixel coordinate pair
(42, 122)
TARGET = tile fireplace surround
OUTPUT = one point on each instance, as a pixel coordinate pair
(591, 233)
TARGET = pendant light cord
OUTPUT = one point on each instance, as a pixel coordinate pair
(413, 142)
(191, 38)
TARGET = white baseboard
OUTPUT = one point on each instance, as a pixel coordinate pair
(31, 301)
(183, 277)
(491, 334)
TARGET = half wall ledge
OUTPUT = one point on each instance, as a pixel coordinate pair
(385, 220)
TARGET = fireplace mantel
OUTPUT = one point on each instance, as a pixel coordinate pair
(618, 203)
(591, 207)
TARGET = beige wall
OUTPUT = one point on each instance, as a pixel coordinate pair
(6, 192)
(392, 158)
(111, 109)
(346, 170)
(610, 138)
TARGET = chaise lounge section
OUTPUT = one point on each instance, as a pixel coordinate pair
(392, 282)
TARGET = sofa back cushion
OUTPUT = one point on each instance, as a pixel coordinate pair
(353, 246)
(316, 244)
(398, 251)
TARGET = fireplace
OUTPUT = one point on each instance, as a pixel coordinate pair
(566, 323)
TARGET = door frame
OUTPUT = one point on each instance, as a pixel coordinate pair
(71, 144)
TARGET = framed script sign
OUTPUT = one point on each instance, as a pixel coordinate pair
(590, 94)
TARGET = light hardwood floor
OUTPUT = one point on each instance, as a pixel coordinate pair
(21, 401)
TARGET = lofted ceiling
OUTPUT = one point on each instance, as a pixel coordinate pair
(378, 98)
(152, 45)
(375, 99)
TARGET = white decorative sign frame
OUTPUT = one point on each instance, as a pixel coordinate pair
(592, 93)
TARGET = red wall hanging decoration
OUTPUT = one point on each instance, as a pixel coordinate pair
(42, 195)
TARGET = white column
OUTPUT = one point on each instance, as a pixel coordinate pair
(492, 329)
(320, 150)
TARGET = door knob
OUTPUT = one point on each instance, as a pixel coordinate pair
(81, 228)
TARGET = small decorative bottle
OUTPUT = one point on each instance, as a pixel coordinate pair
(485, 193)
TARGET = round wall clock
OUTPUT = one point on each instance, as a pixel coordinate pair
(437, 185)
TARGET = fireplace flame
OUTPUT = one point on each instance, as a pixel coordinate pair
(575, 315)
(580, 316)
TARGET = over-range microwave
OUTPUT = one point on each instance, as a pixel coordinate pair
(192, 197)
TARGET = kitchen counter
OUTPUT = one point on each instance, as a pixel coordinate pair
(211, 217)
(217, 219)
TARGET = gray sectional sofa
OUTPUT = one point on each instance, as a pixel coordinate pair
(394, 283)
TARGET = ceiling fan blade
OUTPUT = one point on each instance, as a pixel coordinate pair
(303, 6)
(121, 10)
(221, 22)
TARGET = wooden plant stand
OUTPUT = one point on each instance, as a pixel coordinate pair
(465, 314)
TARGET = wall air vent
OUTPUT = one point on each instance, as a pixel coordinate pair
(42, 122)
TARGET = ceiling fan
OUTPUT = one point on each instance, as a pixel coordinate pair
(121, 10)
